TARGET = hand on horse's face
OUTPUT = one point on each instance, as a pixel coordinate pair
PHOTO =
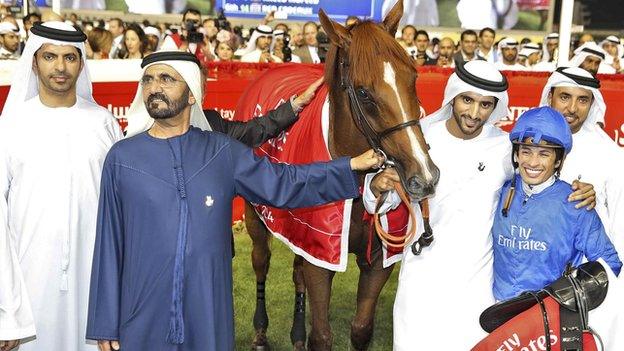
(369, 159)
(306, 97)
(384, 181)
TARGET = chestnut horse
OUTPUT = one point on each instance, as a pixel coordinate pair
(373, 103)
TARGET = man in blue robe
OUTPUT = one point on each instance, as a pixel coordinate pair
(162, 266)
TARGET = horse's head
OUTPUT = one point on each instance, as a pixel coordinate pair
(366, 64)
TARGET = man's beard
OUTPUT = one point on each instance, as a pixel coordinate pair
(173, 107)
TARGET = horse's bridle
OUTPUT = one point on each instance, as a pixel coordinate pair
(374, 139)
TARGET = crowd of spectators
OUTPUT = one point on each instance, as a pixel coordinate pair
(214, 39)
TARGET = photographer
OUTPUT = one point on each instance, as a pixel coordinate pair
(190, 37)
(309, 52)
(281, 47)
(258, 47)
(210, 30)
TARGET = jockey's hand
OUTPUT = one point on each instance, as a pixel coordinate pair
(6, 345)
(384, 181)
(369, 159)
(585, 193)
(108, 345)
(306, 97)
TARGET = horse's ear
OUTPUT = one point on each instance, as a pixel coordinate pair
(391, 22)
(336, 33)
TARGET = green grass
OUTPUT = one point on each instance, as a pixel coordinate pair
(116, 5)
(447, 12)
(280, 297)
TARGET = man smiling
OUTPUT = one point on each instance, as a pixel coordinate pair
(595, 158)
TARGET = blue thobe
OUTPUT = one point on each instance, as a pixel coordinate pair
(162, 266)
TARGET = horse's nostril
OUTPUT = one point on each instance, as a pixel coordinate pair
(415, 183)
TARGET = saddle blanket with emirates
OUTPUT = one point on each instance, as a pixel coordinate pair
(320, 233)
(525, 332)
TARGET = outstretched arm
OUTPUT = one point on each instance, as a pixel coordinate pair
(292, 186)
(257, 131)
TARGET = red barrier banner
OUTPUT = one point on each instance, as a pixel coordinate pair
(525, 88)
(227, 81)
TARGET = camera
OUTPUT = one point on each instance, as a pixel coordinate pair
(222, 22)
(323, 45)
(192, 33)
(286, 50)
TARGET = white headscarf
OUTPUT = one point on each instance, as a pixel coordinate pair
(276, 33)
(588, 49)
(152, 31)
(139, 119)
(529, 49)
(545, 53)
(559, 79)
(25, 82)
(261, 31)
(613, 40)
(507, 43)
(458, 84)
(8, 27)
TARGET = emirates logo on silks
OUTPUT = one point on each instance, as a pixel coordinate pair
(209, 201)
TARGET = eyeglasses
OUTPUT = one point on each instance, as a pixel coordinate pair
(165, 81)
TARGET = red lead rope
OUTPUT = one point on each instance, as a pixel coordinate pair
(399, 241)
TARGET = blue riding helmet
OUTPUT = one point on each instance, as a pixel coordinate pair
(543, 123)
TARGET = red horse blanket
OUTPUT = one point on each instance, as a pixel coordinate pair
(320, 233)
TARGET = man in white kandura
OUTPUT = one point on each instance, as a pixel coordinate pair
(53, 141)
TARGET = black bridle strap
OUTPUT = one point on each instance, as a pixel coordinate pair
(373, 137)
(374, 141)
(398, 127)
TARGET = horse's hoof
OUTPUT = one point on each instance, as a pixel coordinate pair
(299, 346)
(260, 343)
(264, 347)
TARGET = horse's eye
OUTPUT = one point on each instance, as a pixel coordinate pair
(362, 94)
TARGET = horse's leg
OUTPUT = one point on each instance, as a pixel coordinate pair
(318, 282)
(260, 259)
(298, 330)
(370, 284)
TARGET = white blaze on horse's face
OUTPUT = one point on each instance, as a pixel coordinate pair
(416, 150)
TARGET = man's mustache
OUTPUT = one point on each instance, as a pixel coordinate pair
(157, 96)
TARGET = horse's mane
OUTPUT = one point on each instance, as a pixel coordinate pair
(370, 46)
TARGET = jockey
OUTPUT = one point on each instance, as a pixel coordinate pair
(532, 246)
(537, 231)
(472, 154)
(595, 158)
